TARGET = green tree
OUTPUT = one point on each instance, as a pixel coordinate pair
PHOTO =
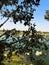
(47, 15)
(23, 11)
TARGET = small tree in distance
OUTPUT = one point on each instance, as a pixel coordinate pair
(47, 15)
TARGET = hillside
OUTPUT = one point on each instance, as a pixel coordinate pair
(18, 32)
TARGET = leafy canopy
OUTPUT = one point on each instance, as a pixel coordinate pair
(23, 10)
(47, 15)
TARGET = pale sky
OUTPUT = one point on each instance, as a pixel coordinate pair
(41, 23)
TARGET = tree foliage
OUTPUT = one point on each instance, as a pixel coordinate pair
(21, 11)
(47, 15)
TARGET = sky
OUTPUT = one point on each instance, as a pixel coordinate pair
(41, 23)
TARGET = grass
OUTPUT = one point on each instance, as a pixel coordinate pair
(20, 63)
(17, 61)
(13, 63)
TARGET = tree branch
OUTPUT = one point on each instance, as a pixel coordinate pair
(7, 18)
(4, 22)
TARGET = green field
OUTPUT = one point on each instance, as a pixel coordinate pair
(12, 63)
(45, 58)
